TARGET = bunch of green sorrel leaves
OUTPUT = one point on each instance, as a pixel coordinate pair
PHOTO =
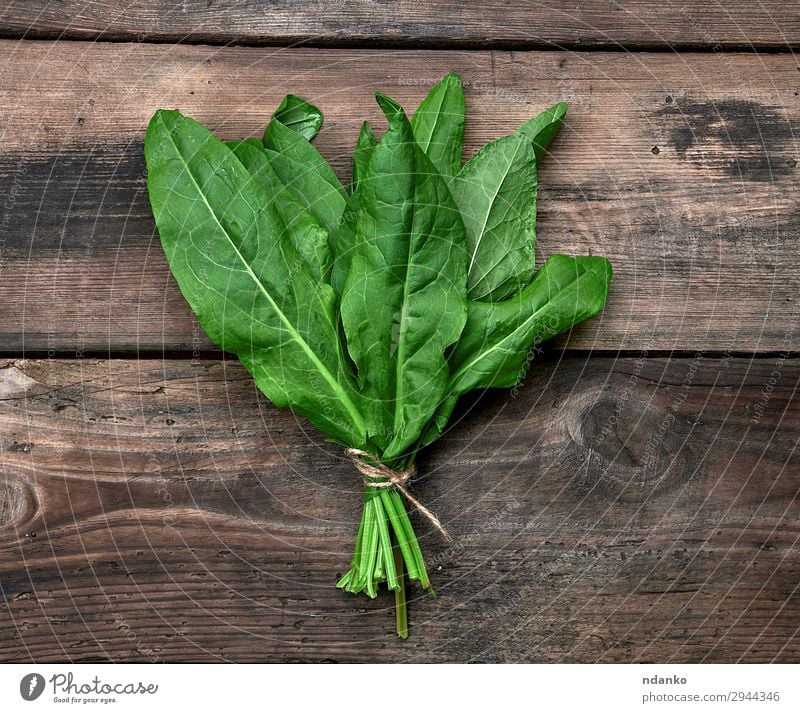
(369, 309)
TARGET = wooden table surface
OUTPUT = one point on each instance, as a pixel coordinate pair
(635, 501)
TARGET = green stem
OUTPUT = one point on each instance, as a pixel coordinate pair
(399, 531)
(411, 538)
(367, 559)
(387, 551)
(372, 590)
(400, 608)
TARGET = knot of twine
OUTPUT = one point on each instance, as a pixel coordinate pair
(380, 475)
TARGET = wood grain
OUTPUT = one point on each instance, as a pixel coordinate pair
(614, 510)
(440, 23)
(682, 169)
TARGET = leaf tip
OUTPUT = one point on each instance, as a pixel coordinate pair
(388, 105)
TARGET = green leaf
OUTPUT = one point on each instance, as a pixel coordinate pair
(437, 425)
(496, 194)
(303, 169)
(300, 116)
(230, 252)
(308, 237)
(404, 298)
(541, 129)
(361, 156)
(496, 343)
(343, 241)
(438, 124)
(497, 337)
(344, 237)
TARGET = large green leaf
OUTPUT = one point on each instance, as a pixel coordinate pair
(300, 116)
(495, 345)
(232, 256)
(438, 124)
(404, 298)
(498, 336)
(308, 236)
(496, 194)
(303, 169)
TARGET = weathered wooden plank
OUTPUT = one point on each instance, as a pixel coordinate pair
(592, 23)
(614, 510)
(682, 169)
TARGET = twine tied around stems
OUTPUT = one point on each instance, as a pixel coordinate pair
(380, 475)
